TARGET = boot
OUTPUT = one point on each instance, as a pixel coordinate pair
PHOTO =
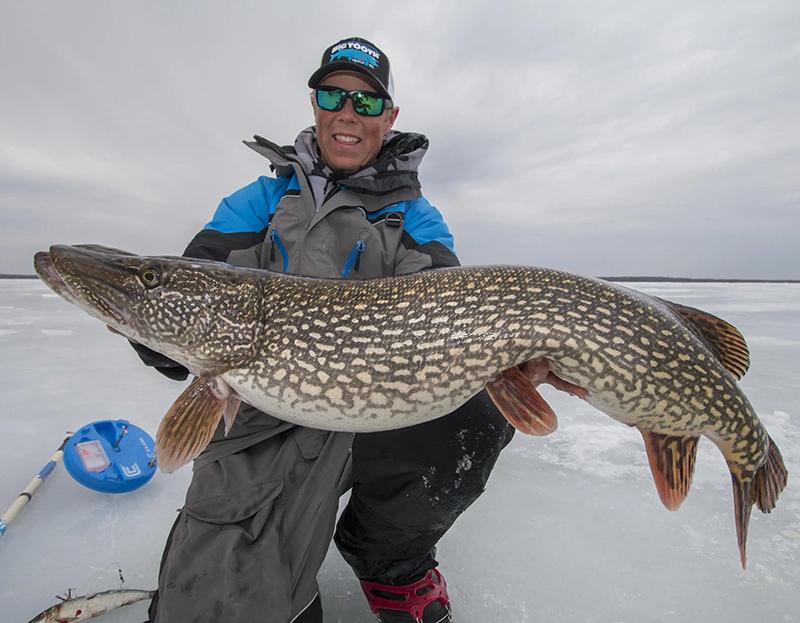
(423, 601)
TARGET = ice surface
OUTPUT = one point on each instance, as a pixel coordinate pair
(570, 528)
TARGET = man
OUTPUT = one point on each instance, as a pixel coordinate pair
(261, 507)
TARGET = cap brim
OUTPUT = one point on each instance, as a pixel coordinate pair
(330, 68)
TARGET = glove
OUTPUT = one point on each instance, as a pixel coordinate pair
(165, 365)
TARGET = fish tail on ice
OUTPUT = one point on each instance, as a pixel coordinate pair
(762, 490)
(770, 480)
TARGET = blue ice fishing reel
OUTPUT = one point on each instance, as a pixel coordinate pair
(111, 456)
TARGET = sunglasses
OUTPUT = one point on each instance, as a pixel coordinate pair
(364, 102)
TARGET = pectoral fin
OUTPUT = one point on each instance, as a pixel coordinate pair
(515, 395)
(672, 464)
(190, 423)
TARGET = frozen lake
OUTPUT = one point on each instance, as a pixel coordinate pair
(570, 528)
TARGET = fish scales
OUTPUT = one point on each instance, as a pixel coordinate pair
(378, 351)
(387, 353)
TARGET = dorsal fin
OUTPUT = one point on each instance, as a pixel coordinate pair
(725, 340)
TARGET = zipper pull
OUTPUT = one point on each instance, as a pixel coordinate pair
(272, 246)
(360, 246)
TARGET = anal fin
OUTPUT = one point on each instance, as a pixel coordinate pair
(671, 461)
(189, 424)
(515, 395)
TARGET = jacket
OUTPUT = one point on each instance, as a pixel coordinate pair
(368, 226)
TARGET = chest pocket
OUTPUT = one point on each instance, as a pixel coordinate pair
(361, 249)
(343, 244)
(281, 247)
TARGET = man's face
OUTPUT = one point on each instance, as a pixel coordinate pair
(348, 141)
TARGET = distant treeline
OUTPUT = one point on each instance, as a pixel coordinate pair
(631, 279)
(698, 280)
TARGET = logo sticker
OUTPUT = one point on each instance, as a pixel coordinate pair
(133, 470)
(356, 52)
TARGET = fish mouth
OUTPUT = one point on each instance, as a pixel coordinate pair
(43, 264)
(74, 273)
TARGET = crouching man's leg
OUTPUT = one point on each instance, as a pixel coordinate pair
(255, 529)
(409, 487)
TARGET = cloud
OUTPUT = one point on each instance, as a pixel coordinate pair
(603, 137)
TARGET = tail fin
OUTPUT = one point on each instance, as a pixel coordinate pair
(769, 481)
(763, 490)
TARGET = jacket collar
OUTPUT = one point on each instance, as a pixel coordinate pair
(395, 169)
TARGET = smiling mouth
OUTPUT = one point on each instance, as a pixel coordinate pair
(346, 139)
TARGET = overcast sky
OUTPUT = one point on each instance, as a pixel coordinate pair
(601, 137)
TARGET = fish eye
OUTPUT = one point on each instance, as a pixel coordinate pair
(150, 277)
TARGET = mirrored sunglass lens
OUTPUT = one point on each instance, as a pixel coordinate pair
(366, 104)
(330, 100)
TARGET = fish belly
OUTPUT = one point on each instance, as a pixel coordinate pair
(335, 408)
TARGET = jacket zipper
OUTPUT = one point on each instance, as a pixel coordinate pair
(276, 241)
(354, 259)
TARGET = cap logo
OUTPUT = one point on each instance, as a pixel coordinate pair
(355, 52)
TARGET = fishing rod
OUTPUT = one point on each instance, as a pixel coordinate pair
(28, 492)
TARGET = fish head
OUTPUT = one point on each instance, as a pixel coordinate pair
(200, 313)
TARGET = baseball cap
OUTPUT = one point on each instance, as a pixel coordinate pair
(358, 55)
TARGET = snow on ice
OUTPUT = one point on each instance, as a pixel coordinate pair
(570, 528)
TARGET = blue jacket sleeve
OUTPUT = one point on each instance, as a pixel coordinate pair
(241, 219)
(427, 241)
(250, 208)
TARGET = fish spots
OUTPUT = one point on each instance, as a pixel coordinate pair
(364, 377)
(572, 343)
(552, 343)
(309, 389)
(306, 366)
(422, 396)
(378, 399)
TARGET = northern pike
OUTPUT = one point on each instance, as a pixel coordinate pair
(380, 354)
